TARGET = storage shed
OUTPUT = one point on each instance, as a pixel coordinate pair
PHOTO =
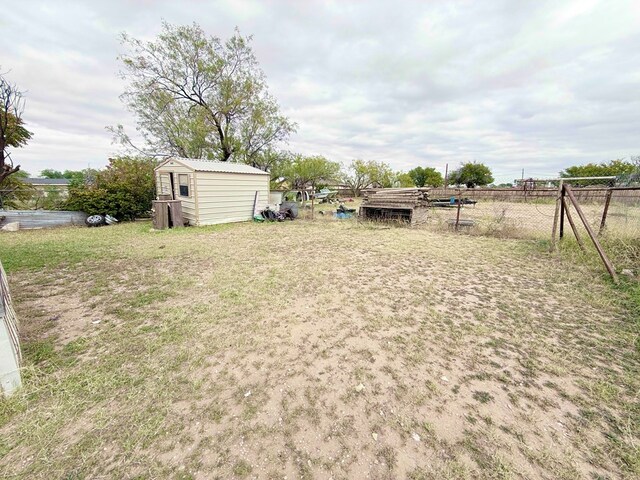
(213, 192)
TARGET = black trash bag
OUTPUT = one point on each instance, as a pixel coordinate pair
(269, 215)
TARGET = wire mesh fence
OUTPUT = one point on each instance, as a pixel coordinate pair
(522, 213)
(603, 221)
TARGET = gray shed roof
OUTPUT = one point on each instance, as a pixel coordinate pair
(48, 181)
(213, 166)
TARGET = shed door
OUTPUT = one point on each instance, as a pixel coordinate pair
(166, 185)
(173, 186)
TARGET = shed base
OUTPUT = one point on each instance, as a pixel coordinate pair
(412, 216)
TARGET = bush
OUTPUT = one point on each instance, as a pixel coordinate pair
(124, 190)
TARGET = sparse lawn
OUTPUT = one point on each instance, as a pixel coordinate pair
(326, 349)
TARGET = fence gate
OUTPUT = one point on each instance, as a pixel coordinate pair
(10, 355)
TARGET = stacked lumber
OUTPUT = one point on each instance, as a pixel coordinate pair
(397, 198)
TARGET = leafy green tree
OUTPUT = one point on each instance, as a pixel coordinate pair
(426, 176)
(404, 180)
(87, 176)
(633, 178)
(471, 174)
(76, 177)
(124, 189)
(361, 174)
(197, 96)
(311, 171)
(68, 174)
(274, 161)
(13, 133)
(50, 173)
(617, 168)
(382, 175)
(357, 176)
(280, 170)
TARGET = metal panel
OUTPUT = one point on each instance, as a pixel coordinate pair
(10, 354)
(29, 219)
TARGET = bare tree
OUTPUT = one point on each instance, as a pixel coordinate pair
(12, 130)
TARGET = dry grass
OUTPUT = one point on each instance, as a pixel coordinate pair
(326, 349)
(535, 219)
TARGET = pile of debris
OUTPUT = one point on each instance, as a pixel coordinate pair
(287, 211)
(410, 205)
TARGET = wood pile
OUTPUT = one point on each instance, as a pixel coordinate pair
(400, 198)
(410, 205)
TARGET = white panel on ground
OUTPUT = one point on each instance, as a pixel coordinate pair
(9, 343)
(9, 370)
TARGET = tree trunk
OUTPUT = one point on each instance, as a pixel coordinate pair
(5, 170)
(226, 151)
(312, 199)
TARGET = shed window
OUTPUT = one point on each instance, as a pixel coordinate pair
(183, 182)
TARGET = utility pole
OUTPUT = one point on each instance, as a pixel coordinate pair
(446, 175)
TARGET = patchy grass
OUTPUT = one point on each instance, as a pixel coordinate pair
(314, 350)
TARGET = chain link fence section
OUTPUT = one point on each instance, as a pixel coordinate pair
(522, 212)
(622, 218)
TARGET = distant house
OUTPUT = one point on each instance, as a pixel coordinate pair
(213, 192)
(50, 185)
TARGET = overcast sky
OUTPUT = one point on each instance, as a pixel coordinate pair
(514, 84)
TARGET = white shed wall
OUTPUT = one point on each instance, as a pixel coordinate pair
(228, 197)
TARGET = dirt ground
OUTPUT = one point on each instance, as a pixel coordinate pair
(326, 349)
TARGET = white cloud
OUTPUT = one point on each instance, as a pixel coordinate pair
(527, 84)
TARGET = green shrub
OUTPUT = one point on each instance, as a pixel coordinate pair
(123, 190)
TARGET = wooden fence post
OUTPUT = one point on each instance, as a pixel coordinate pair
(596, 243)
(605, 211)
(562, 208)
(556, 218)
(459, 207)
(573, 225)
